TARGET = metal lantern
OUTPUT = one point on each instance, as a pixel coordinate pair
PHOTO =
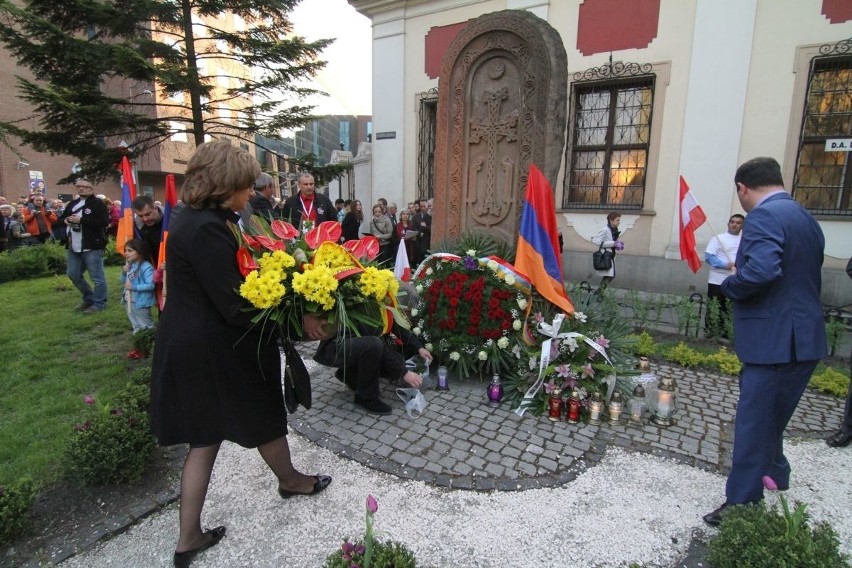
(595, 409)
(666, 398)
(644, 365)
(616, 407)
(637, 404)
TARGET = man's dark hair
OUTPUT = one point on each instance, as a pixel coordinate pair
(339, 201)
(759, 172)
(141, 201)
(737, 216)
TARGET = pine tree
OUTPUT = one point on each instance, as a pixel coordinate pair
(218, 68)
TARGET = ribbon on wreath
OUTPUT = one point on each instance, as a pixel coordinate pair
(552, 333)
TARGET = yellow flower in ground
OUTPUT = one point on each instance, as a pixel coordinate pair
(276, 260)
(316, 285)
(378, 283)
(263, 290)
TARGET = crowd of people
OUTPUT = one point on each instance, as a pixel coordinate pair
(413, 226)
(34, 219)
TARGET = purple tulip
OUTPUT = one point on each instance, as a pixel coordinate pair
(769, 483)
(89, 400)
(372, 505)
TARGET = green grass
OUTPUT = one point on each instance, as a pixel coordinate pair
(51, 358)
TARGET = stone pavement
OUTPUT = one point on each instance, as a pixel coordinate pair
(461, 442)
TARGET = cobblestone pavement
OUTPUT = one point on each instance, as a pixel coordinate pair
(461, 442)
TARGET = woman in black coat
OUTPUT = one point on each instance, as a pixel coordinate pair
(215, 376)
(352, 222)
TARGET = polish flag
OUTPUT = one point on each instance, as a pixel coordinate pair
(691, 217)
(401, 268)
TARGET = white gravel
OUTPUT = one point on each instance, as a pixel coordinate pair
(629, 508)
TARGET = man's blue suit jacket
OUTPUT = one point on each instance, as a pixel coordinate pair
(776, 289)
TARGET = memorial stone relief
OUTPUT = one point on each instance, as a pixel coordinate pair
(502, 99)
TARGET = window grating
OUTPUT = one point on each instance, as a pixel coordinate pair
(822, 179)
(611, 136)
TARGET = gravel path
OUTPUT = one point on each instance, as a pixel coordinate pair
(630, 507)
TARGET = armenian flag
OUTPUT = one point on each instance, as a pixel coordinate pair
(537, 255)
(125, 229)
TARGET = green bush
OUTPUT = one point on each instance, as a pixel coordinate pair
(388, 554)
(141, 376)
(111, 257)
(15, 502)
(113, 444)
(32, 262)
(143, 341)
(831, 382)
(752, 536)
(134, 397)
(727, 362)
(684, 355)
(645, 346)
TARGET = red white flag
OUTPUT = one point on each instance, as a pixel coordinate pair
(691, 217)
(401, 268)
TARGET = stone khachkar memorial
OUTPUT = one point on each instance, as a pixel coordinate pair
(501, 107)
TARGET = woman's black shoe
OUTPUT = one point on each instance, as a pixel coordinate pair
(184, 559)
(322, 481)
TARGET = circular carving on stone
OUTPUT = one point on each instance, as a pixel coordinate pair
(496, 69)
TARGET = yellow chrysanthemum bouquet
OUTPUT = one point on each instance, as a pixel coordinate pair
(288, 275)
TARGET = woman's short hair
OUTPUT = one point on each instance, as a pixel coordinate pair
(613, 215)
(215, 171)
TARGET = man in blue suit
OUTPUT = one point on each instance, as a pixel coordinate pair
(779, 332)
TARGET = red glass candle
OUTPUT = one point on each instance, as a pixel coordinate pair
(573, 414)
(554, 406)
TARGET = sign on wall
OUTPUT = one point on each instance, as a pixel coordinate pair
(838, 145)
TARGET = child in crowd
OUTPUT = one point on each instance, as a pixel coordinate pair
(138, 279)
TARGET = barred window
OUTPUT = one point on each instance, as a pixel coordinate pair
(611, 135)
(426, 137)
(823, 179)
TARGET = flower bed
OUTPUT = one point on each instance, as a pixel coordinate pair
(480, 318)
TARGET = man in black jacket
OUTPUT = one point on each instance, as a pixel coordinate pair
(261, 202)
(149, 222)
(308, 208)
(362, 360)
(87, 218)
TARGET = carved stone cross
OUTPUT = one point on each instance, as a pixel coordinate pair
(492, 130)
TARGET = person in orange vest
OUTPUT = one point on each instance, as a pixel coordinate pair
(38, 219)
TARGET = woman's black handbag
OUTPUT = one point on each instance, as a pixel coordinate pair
(297, 381)
(602, 259)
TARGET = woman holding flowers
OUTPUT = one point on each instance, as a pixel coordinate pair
(216, 376)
